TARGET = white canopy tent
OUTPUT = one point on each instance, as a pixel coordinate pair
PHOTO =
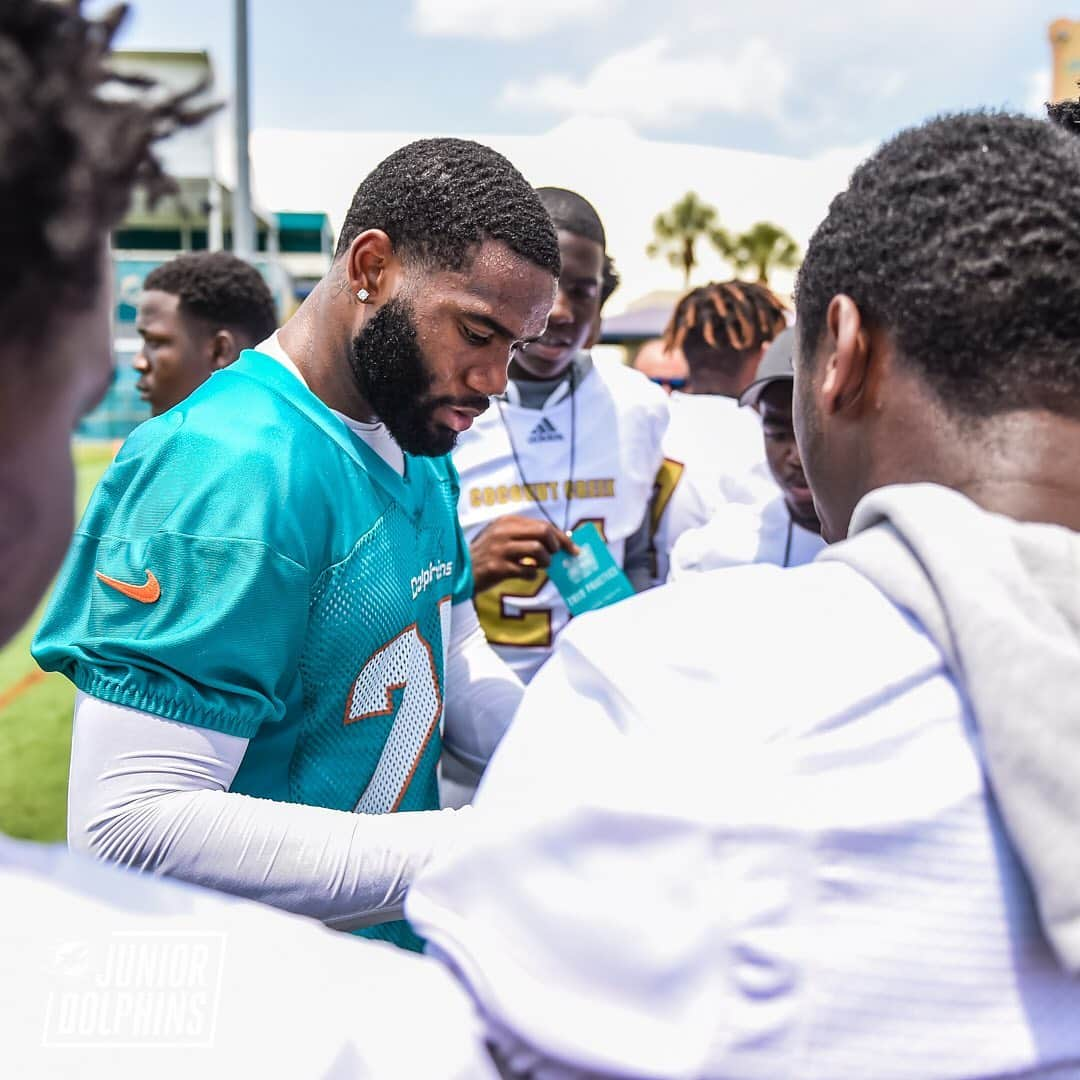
(628, 178)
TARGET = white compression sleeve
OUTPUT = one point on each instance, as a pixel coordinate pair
(482, 693)
(154, 794)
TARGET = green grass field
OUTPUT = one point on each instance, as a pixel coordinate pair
(35, 712)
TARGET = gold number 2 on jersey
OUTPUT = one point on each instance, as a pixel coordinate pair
(529, 628)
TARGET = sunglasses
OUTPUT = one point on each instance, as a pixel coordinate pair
(674, 384)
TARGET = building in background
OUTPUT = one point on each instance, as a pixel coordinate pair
(305, 248)
(1065, 46)
(294, 249)
(643, 320)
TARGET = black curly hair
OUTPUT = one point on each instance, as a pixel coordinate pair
(220, 290)
(437, 199)
(961, 239)
(1066, 114)
(610, 281)
(722, 324)
(70, 155)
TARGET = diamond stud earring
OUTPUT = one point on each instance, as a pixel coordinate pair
(362, 295)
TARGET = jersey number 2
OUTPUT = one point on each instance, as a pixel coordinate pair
(526, 627)
(406, 665)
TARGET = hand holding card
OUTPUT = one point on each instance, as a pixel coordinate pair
(592, 579)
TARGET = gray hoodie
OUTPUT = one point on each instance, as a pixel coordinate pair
(1001, 599)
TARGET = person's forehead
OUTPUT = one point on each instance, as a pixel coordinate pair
(157, 305)
(581, 257)
(500, 284)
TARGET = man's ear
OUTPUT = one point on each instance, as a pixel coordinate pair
(371, 267)
(847, 357)
(224, 349)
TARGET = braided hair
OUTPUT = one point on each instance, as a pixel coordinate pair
(719, 326)
(71, 151)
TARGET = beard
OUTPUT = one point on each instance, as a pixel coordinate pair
(394, 379)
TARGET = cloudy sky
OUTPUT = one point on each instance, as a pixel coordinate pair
(783, 76)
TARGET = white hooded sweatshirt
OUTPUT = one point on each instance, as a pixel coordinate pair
(776, 847)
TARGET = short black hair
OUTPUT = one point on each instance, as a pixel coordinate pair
(1066, 114)
(71, 155)
(961, 238)
(610, 281)
(221, 290)
(438, 199)
(574, 213)
(721, 325)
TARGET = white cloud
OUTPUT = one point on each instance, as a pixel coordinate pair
(890, 83)
(1037, 94)
(509, 20)
(654, 84)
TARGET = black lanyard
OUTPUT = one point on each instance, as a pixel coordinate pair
(787, 546)
(573, 444)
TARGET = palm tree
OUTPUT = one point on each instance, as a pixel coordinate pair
(678, 230)
(762, 247)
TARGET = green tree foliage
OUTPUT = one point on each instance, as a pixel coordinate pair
(763, 247)
(678, 230)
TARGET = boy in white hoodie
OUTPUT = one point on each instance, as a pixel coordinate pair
(825, 821)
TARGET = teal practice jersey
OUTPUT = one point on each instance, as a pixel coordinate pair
(249, 565)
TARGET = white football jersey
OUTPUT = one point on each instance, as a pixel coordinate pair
(772, 851)
(739, 534)
(615, 423)
(714, 454)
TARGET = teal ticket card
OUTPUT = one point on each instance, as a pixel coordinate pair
(591, 580)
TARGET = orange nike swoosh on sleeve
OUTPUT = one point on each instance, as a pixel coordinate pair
(145, 594)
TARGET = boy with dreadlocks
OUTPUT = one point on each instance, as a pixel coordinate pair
(713, 450)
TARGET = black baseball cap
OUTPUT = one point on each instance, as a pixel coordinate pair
(776, 364)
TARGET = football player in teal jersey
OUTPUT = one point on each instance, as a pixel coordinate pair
(269, 601)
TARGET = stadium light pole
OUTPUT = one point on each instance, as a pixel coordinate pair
(243, 219)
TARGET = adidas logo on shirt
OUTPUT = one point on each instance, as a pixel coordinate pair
(545, 431)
